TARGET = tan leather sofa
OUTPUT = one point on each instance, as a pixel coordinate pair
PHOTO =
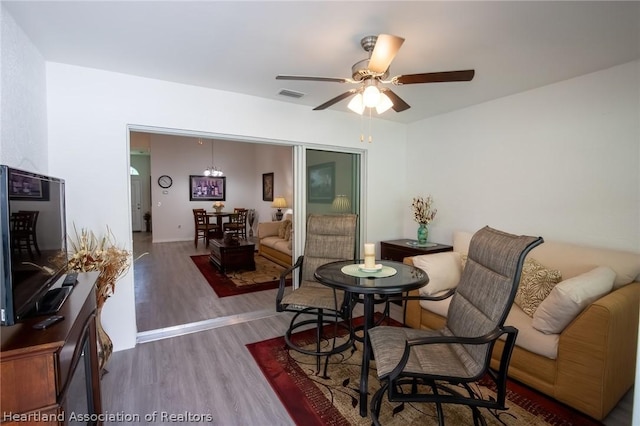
(272, 245)
(595, 357)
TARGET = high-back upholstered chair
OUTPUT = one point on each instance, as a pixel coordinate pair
(329, 238)
(460, 352)
(237, 222)
(202, 226)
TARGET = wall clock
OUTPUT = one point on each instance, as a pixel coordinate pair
(165, 181)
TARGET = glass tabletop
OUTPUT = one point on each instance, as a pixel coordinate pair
(407, 278)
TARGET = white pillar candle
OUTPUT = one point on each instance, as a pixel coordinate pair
(369, 255)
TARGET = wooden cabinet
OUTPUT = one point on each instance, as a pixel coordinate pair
(51, 376)
(399, 249)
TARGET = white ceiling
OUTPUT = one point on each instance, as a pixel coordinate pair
(241, 46)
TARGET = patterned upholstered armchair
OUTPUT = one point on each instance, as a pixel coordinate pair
(446, 361)
(328, 239)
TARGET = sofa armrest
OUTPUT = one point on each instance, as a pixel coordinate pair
(597, 353)
(268, 229)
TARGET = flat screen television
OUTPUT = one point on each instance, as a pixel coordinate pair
(34, 240)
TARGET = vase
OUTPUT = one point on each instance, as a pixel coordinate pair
(251, 217)
(218, 209)
(105, 345)
(423, 234)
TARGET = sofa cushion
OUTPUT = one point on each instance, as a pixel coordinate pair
(570, 297)
(270, 241)
(573, 260)
(530, 338)
(282, 246)
(536, 282)
(440, 307)
(444, 271)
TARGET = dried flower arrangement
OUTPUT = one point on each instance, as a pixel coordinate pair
(218, 204)
(423, 211)
(90, 253)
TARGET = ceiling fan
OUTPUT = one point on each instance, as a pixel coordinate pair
(371, 74)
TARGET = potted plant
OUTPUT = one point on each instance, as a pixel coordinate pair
(147, 221)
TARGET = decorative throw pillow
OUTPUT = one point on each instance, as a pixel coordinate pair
(463, 260)
(283, 228)
(536, 282)
(444, 271)
(570, 297)
(287, 231)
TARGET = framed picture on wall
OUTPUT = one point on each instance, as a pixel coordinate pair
(267, 187)
(22, 187)
(207, 188)
(321, 183)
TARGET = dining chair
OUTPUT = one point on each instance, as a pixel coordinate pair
(32, 227)
(203, 229)
(329, 238)
(237, 223)
(440, 366)
(23, 232)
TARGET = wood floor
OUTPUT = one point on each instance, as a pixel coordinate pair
(191, 358)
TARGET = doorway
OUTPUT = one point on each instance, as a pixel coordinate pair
(168, 288)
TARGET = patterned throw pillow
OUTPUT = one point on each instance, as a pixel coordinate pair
(536, 282)
(287, 231)
(282, 229)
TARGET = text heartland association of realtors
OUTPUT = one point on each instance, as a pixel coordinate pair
(120, 416)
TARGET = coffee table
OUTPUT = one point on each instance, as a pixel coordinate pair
(232, 256)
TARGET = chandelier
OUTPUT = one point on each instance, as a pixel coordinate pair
(212, 170)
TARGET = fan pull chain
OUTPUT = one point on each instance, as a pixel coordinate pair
(370, 120)
(362, 126)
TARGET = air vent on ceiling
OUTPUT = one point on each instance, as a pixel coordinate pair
(291, 93)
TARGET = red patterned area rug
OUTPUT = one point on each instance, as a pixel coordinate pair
(265, 277)
(312, 399)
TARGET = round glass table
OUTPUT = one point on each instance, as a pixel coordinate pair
(391, 278)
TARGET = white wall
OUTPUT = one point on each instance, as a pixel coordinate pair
(561, 161)
(102, 104)
(23, 99)
(278, 160)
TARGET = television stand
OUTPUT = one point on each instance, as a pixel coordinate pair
(53, 373)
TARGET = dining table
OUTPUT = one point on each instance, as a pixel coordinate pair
(386, 278)
(218, 217)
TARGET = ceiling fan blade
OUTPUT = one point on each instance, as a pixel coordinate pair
(383, 53)
(335, 100)
(309, 78)
(435, 77)
(399, 104)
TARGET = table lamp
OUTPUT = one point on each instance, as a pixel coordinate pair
(341, 204)
(279, 203)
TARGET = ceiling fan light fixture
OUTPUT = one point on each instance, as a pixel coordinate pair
(356, 105)
(384, 104)
(371, 96)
